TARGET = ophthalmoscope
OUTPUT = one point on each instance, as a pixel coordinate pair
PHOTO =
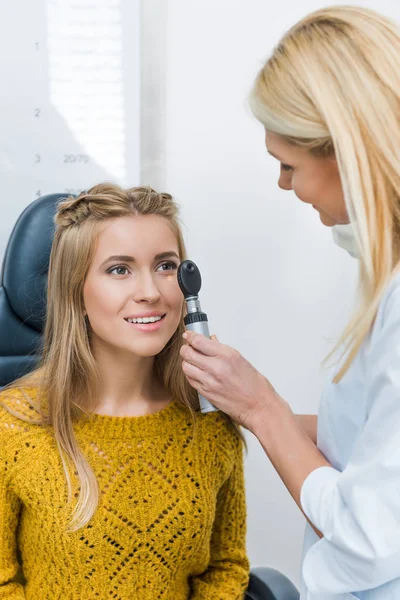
(189, 280)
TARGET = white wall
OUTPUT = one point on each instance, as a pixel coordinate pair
(275, 285)
(69, 102)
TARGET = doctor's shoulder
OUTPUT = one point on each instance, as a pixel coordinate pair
(387, 320)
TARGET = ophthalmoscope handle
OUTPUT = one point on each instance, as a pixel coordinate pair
(198, 322)
(189, 280)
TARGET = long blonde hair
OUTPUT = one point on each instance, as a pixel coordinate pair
(332, 86)
(67, 377)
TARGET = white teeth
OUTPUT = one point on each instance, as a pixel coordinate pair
(145, 320)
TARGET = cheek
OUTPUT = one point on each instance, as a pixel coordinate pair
(171, 293)
(98, 298)
(306, 189)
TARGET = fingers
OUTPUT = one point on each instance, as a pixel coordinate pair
(195, 384)
(190, 355)
(198, 387)
(194, 374)
(209, 347)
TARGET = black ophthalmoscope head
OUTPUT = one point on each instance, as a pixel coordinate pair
(189, 278)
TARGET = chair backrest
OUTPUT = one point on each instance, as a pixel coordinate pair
(23, 285)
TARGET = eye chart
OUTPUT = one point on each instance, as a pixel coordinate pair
(70, 99)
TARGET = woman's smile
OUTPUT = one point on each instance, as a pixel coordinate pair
(148, 323)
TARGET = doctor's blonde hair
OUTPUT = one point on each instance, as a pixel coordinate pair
(332, 86)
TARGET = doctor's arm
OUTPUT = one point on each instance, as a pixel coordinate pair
(232, 384)
(356, 511)
(309, 424)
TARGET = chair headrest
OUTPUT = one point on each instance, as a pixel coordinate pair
(26, 261)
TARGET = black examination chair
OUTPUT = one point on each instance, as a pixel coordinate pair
(22, 311)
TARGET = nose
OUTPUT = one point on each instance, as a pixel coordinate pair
(146, 289)
(285, 181)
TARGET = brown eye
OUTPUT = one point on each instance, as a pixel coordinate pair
(286, 167)
(168, 266)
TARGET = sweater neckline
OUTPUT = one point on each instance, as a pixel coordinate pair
(161, 422)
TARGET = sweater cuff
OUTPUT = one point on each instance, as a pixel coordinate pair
(316, 497)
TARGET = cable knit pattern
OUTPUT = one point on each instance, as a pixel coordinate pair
(171, 518)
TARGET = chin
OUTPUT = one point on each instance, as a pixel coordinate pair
(327, 220)
(147, 350)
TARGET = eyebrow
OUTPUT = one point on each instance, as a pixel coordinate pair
(274, 155)
(126, 258)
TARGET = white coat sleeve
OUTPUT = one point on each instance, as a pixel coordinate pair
(358, 510)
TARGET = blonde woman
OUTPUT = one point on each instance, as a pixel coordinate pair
(329, 100)
(111, 484)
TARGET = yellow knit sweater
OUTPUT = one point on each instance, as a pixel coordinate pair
(170, 524)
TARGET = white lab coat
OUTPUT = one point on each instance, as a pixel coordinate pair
(356, 502)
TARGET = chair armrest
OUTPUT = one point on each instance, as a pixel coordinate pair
(269, 584)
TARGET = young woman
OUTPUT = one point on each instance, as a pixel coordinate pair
(329, 100)
(111, 484)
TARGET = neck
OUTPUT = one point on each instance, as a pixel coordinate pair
(128, 385)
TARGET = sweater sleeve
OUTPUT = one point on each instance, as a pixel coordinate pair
(358, 510)
(227, 575)
(9, 515)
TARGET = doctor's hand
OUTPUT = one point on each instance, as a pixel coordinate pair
(227, 379)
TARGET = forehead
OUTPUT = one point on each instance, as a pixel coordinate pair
(281, 149)
(135, 235)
